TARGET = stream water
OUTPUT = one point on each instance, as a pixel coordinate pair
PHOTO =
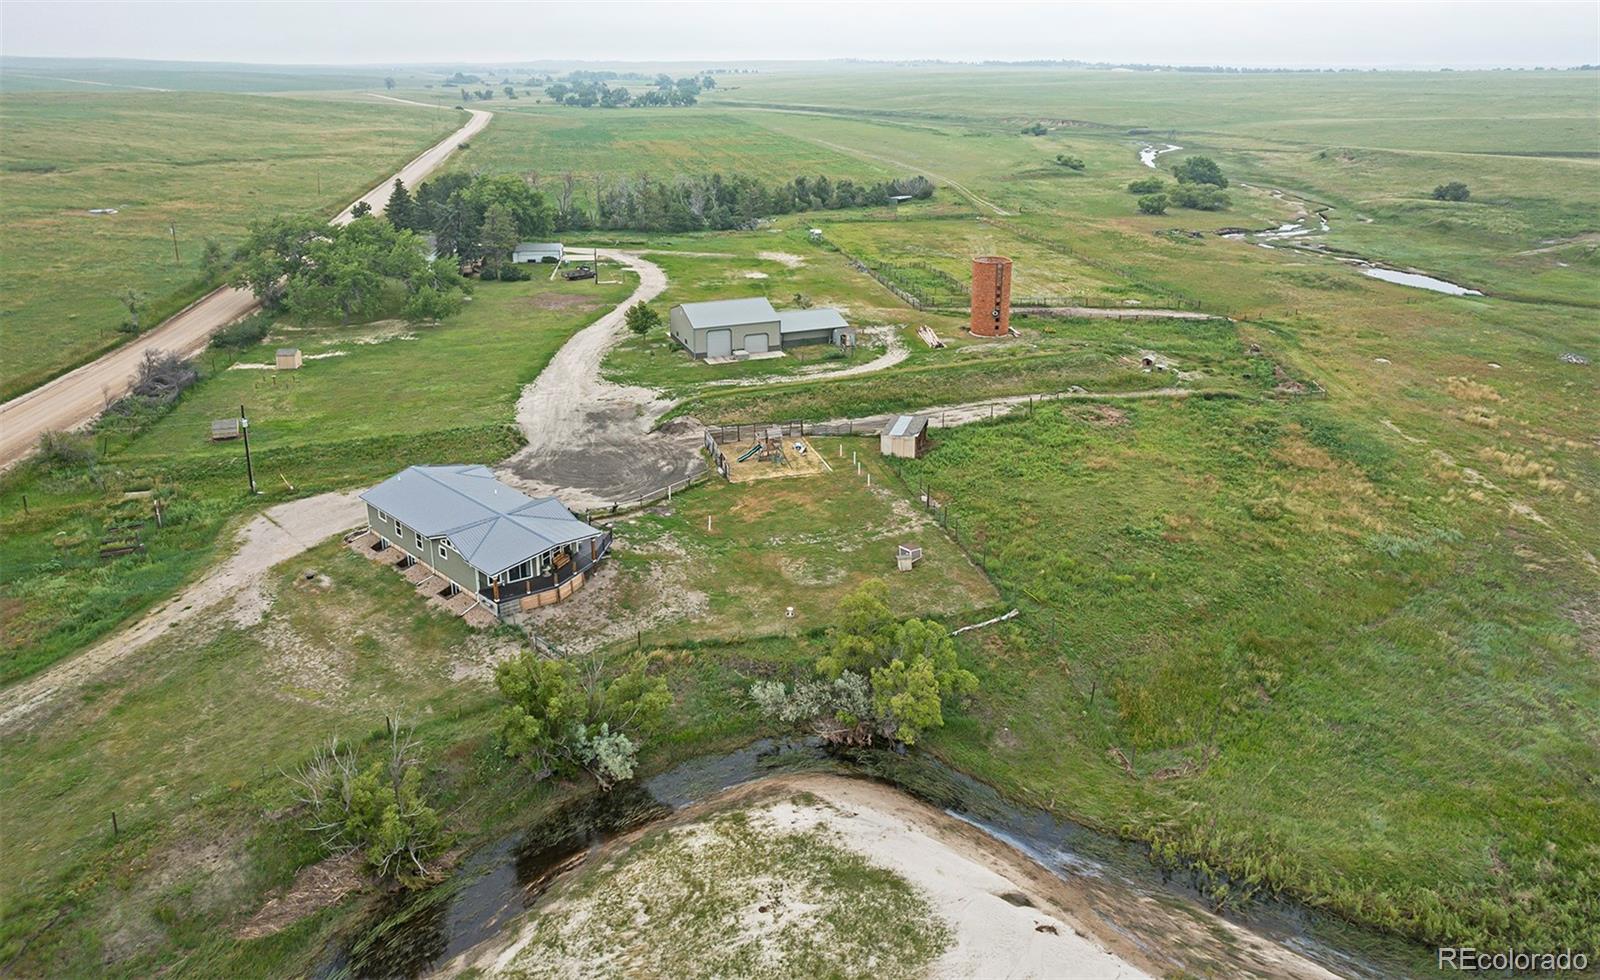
(1301, 233)
(1417, 280)
(409, 935)
(1149, 152)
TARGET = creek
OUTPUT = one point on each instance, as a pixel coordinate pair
(413, 934)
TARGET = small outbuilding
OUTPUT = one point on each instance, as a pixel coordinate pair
(906, 556)
(288, 358)
(536, 252)
(906, 437)
(822, 326)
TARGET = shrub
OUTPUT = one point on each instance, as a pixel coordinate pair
(513, 272)
(1037, 129)
(641, 318)
(1153, 204)
(248, 332)
(1201, 197)
(65, 450)
(377, 809)
(1070, 162)
(880, 678)
(560, 721)
(1453, 191)
(1146, 185)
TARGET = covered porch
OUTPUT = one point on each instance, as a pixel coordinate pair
(545, 578)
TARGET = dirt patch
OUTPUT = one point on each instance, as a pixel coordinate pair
(775, 460)
(788, 260)
(590, 440)
(1100, 416)
(559, 301)
(622, 602)
(1586, 614)
(317, 887)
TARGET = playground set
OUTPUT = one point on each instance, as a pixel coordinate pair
(743, 454)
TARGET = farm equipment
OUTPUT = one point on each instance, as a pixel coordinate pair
(581, 272)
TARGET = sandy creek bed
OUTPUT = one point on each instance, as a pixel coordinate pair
(1005, 914)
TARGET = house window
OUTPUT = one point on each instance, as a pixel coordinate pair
(444, 550)
(520, 572)
(382, 517)
(420, 545)
(399, 531)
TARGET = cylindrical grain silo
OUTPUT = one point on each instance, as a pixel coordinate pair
(991, 296)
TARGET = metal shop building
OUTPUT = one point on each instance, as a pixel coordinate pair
(742, 327)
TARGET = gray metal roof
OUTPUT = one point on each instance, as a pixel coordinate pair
(796, 321)
(492, 525)
(539, 248)
(908, 425)
(728, 312)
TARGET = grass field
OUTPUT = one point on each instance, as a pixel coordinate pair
(239, 158)
(342, 421)
(1343, 647)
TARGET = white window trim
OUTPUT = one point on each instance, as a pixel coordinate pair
(444, 549)
(383, 517)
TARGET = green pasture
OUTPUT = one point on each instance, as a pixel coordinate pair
(396, 395)
(1329, 632)
(205, 163)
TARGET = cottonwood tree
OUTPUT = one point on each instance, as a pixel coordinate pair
(1200, 170)
(1453, 191)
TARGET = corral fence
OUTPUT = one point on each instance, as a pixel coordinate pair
(645, 499)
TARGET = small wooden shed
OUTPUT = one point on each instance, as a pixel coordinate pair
(224, 429)
(906, 437)
(288, 358)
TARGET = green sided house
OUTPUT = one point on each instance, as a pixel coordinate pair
(513, 552)
(745, 327)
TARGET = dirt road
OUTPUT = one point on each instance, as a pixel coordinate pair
(589, 439)
(949, 416)
(77, 397)
(277, 534)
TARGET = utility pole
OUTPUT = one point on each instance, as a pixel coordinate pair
(174, 227)
(249, 468)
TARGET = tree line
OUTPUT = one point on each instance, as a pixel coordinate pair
(590, 89)
(483, 217)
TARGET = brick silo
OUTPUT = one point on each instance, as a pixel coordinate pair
(991, 296)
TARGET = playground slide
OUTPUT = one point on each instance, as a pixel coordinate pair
(750, 452)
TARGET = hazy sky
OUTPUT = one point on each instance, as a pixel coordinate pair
(1245, 34)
